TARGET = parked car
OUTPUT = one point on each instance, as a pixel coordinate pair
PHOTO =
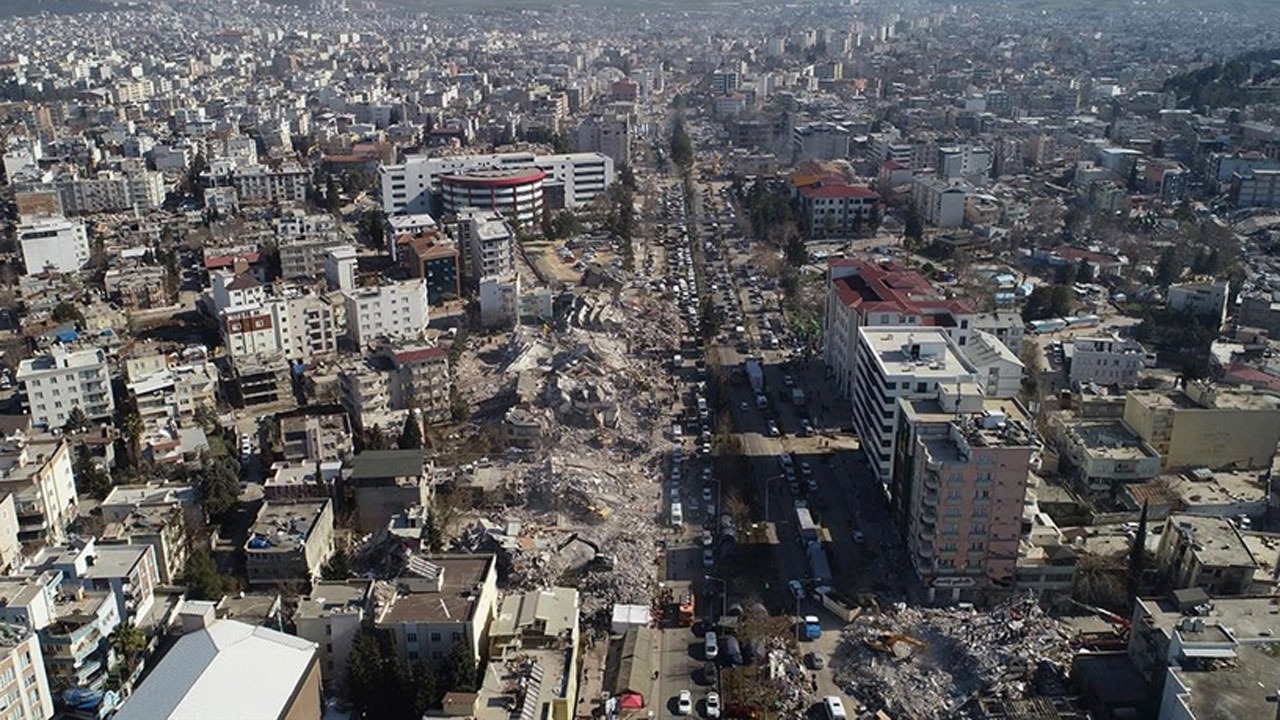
(684, 703)
(710, 646)
(797, 590)
(713, 704)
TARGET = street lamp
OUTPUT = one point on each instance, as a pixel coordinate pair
(724, 595)
(766, 494)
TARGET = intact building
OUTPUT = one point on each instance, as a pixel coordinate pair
(1207, 426)
(1108, 360)
(53, 385)
(56, 243)
(385, 482)
(434, 258)
(23, 682)
(1207, 553)
(1255, 188)
(408, 188)
(862, 293)
(442, 601)
(388, 311)
(486, 244)
(836, 209)
(939, 203)
(899, 364)
(1206, 299)
(513, 194)
(609, 136)
(289, 542)
(40, 477)
(959, 482)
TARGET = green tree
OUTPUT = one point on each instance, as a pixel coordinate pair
(377, 684)
(129, 643)
(1157, 148)
(204, 582)
(375, 438)
(1169, 268)
(218, 481)
(681, 145)
(1132, 182)
(876, 217)
(338, 567)
(914, 227)
(332, 196)
(374, 227)
(460, 669)
(424, 689)
(131, 431)
(1067, 273)
(411, 434)
(797, 254)
(857, 224)
(65, 312)
(627, 177)
(91, 479)
(76, 422)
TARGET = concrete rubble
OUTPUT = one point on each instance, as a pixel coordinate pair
(1011, 651)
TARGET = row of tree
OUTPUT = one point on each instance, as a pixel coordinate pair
(379, 686)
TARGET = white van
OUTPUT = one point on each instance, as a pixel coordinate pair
(677, 516)
(834, 708)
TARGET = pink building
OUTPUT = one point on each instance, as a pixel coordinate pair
(962, 471)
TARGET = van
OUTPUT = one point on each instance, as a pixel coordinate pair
(834, 708)
(677, 516)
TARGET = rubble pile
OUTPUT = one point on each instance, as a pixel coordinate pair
(930, 663)
(795, 688)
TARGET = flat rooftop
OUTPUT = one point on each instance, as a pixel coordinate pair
(333, 598)
(284, 525)
(1246, 618)
(1240, 689)
(938, 357)
(1217, 542)
(1111, 439)
(1226, 398)
(454, 601)
(514, 683)
(1219, 487)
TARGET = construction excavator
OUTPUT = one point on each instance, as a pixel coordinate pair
(888, 643)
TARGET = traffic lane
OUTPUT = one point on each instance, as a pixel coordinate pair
(677, 664)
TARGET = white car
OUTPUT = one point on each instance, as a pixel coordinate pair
(708, 539)
(797, 590)
(713, 704)
(711, 646)
(684, 703)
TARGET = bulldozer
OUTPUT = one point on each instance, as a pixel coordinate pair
(895, 644)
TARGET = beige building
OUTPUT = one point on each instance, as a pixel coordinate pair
(290, 541)
(1207, 426)
(533, 644)
(10, 548)
(442, 600)
(1207, 553)
(330, 617)
(24, 686)
(38, 471)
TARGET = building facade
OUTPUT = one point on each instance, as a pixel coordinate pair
(56, 243)
(54, 384)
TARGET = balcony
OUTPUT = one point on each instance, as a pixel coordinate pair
(932, 481)
(929, 500)
(926, 534)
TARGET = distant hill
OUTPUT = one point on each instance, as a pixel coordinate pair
(1253, 77)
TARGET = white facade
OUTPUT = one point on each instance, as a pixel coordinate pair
(1106, 360)
(499, 299)
(999, 369)
(300, 324)
(24, 684)
(58, 243)
(62, 380)
(340, 268)
(1008, 327)
(1208, 300)
(896, 363)
(393, 310)
(486, 243)
(407, 188)
(111, 191)
(257, 184)
(823, 141)
(939, 203)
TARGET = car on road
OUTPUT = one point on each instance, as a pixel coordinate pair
(708, 557)
(815, 660)
(858, 537)
(811, 483)
(773, 429)
(743, 406)
(710, 646)
(762, 402)
(713, 704)
(793, 486)
(707, 493)
(806, 428)
(708, 539)
(797, 590)
(708, 674)
(785, 461)
(805, 469)
(684, 703)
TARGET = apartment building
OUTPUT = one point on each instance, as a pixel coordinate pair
(442, 601)
(174, 394)
(1202, 425)
(24, 686)
(1206, 299)
(365, 394)
(303, 256)
(902, 364)
(54, 384)
(128, 572)
(316, 438)
(409, 187)
(819, 141)
(609, 135)
(53, 243)
(486, 243)
(420, 381)
(861, 293)
(37, 471)
(388, 311)
(434, 258)
(1255, 188)
(534, 636)
(1106, 360)
(112, 191)
(152, 515)
(262, 185)
(307, 325)
(73, 626)
(499, 298)
(960, 482)
(340, 264)
(1207, 553)
(938, 202)
(385, 482)
(330, 617)
(289, 541)
(833, 209)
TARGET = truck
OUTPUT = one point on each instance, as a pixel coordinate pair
(797, 397)
(804, 521)
(819, 565)
(755, 375)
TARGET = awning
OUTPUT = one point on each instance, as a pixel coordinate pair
(631, 701)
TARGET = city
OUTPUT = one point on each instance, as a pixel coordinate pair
(383, 359)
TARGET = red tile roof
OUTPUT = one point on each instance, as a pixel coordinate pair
(431, 353)
(221, 261)
(889, 287)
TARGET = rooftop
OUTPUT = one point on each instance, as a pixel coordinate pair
(1241, 688)
(333, 598)
(247, 672)
(454, 599)
(1110, 439)
(923, 353)
(383, 464)
(1223, 398)
(284, 525)
(1244, 618)
(1216, 541)
(890, 288)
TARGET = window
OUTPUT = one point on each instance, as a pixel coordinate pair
(435, 637)
(436, 655)
(412, 637)
(457, 637)
(922, 387)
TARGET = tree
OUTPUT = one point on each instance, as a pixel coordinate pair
(460, 669)
(1067, 273)
(875, 218)
(374, 227)
(797, 254)
(1138, 555)
(131, 429)
(375, 438)
(332, 198)
(218, 481)
(76, 421)
(914, 227)
(433, 534)
(1157, 148)
(338, 567)
(128, 642)
(856, 225)
(91, 479)
(627, 177)
(204, 582)
(681, 146)
(377, 684)
(1132, 182)
(1169, 268)
(65, 312)
(411, 435)
(424, 689)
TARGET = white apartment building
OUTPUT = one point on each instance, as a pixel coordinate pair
(1206, 299)
(297, 223)
(1106, 360)
(306, 324)
(231, 290)
(38, 472)
(499, 299)
(963, 162)
(902, 363)
(408, 188)
(173, 394)
(391, 310)
(823, 141)
(54, 242)
(261, 185)
(938, 202)
(54, 384)
(249, 330)
(24, 684)
(111, 191)
(340, 268)
(486, 243)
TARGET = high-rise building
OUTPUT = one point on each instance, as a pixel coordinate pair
(610, 135)
(55, 242)
(409, 187)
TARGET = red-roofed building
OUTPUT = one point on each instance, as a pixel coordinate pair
(420, 380)
(861, 293)
(829, 209)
